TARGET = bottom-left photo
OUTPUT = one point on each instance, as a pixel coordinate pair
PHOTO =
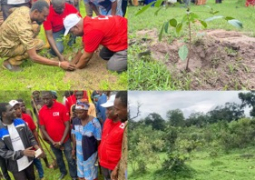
(55, 135)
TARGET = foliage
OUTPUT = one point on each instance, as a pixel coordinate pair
(248, 99)
(175, 117)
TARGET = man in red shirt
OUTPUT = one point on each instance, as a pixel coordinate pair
(55, 125)
(109, 151)
(109, 31)
(54, 26)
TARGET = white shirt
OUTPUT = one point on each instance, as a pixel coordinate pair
(17, 144)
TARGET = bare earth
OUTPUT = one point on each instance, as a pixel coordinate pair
(219, 59)
(90, 77)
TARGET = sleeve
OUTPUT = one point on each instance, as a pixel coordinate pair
(47, 24)
(97, 130)
(65, 114)
(31, 123)
(92, 40)
(9, 154)
(30, 136)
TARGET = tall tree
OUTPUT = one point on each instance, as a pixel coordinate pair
(175, 117)
(248, 99)
(156, 121)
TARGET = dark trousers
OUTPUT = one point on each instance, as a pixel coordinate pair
(6, 8)
(106, 173)
(124, 7)
(26, 174)
(68, 154)
(4, 169)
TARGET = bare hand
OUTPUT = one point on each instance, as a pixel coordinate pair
(67, 66)
(28, 152)
(114, 174)
(62, 58)
(73, 154)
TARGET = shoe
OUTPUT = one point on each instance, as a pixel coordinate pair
(61, 176)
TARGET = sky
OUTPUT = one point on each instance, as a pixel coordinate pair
(187, 101)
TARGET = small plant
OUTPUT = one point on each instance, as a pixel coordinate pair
(189, 19)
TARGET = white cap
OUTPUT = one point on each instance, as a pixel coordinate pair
(13, 103)
(70, 21)
(110, 101)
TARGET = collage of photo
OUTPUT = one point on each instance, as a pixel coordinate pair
(127, 89)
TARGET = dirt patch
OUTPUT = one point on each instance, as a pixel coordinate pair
(91, 76)
(219, 59)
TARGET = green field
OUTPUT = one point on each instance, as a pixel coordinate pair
(36, 76)
(237, 165)
(146, 73)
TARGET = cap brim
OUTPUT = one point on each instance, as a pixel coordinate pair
(106, 105)
(66, 32)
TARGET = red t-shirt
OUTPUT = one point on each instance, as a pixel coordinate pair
(54, 119)
(109, 150)
(54, 20)
(29, 121)
(109, 31)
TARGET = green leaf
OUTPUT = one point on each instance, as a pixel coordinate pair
(144, 8)
(173, 22)
(166, 27)
(213, 18)
(193, 15)
(183, 52)
(178, 28)
(236, 23)
(203, 23)
(161, 32)
(156, 12)
(158, 3)
(185, 18)
(229, 18)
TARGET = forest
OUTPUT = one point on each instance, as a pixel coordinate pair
(218, 144)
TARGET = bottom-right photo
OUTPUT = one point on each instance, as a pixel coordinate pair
(195, 135)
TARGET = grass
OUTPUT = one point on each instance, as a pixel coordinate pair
(154, 75)
(36, 76)
(232, 166)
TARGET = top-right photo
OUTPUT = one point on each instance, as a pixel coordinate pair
(191, 44)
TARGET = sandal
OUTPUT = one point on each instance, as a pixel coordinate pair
(11, 67)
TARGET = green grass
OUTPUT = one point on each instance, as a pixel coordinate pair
(36, 76)
(232, 166)
(148, 75)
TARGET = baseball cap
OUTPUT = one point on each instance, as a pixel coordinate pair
(70, 21)
(110, 101)
(82, 105)
(12, 103)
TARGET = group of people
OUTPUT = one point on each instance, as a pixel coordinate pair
(106, 32)
(92, 140)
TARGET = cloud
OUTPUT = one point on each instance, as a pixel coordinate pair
(187, 101)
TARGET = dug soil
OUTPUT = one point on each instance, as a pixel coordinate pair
(219, 59)
(92, 75)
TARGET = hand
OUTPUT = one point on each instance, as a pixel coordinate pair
(114, 174)
(73, 153)
(56, 145)
(28, 152)
(67, 66)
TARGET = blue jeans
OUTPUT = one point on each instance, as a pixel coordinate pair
(68, 154)
(38, 165)
(57, 36)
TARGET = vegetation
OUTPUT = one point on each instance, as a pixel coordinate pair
(204, 146)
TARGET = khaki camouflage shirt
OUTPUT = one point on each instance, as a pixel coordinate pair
(17, 30)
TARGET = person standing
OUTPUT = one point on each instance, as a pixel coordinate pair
(109, 151)
(86, 135)
(16, 143)
(55, 125)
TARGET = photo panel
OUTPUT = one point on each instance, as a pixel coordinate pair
(191, 135)
(63, 134)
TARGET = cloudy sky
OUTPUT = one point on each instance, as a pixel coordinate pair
(187, 101)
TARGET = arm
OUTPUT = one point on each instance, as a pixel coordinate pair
(114, 7)
(42, 60)
(74, 145)
(46, 134)
(52, 42)
(67, 128)
(94, 8)
(83, 60)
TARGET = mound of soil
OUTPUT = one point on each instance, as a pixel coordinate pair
(92, 75)
(219, 59)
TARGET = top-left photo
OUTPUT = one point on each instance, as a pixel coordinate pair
(63, 44)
